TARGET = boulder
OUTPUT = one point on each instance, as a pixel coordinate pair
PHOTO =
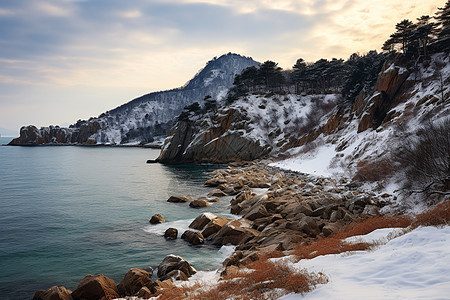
(234, 232)
(199, 203)
(193, 237)
(174, 262)
(330, 228)
(53, 293)
(133, 281)
(201, 221)
(156, 219)
(95, 287)
(216, 193)
(233, 259)
(258, 211)
(216, 181)
(176, 275)
(307, 225)
(144, 293)
(178, 199)
(214, 226)
(171, 233)
(160, 285)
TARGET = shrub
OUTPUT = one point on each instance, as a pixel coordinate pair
(425, 158)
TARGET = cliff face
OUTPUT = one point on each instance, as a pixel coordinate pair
(146, 118)
(220, 143)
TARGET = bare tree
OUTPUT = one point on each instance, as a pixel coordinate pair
(426, 159)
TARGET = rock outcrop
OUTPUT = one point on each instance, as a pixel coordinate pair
(133, 281)
(193, 237)
(55, 135)
(178, 199)
(171, 233)
(157, 219)
(53, 293)
(95, 287)
(223, 142)
(174, 266)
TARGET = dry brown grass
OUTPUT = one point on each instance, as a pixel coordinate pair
(261, 280)
(375, 170)
(436, 216)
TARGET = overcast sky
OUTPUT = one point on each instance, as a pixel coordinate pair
(65, 60)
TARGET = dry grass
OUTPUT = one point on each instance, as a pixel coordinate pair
(436, 216)
(263, 279)
(375, 170)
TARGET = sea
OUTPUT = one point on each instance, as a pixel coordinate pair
(69, 211)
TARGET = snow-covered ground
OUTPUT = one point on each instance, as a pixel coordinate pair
(412, 266)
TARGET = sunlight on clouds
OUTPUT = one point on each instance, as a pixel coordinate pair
(53, 10)
(364, 26)
(131, 14)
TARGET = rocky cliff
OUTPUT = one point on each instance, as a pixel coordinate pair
(253, 126)
(221, 142)
(146, 118)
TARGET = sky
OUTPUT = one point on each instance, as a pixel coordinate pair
(64, 60)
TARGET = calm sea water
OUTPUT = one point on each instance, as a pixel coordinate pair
(70, 211)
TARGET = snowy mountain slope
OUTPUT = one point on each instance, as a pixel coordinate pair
(149, 117)
(357, 147)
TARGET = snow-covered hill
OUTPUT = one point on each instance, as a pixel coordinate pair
(146, 118)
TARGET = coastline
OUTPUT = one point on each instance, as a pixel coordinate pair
(260, 196)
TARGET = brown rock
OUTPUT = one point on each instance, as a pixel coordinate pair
(199, 203)
(235, 233)
(176, 275)
(96, 287)
(53, 293)
(233, 259)
(174, 262)
(178, 199)
(156, 219)
(160, 285)
(258, 211)
(330, 228)
(216, 193)
(171, 233)
(230, 271)
(201, 221)
(193, 237)
(144, 293)
(133, 281)
(214, 226)
(213, 182)
(307, 225)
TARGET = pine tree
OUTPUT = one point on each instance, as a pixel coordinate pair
(423, 34)
(298, 75)
(443, 22)
(404, 32)
(270, 74)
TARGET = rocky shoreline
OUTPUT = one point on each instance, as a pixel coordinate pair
(277, 211)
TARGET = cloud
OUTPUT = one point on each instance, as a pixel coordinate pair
(114, 46)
